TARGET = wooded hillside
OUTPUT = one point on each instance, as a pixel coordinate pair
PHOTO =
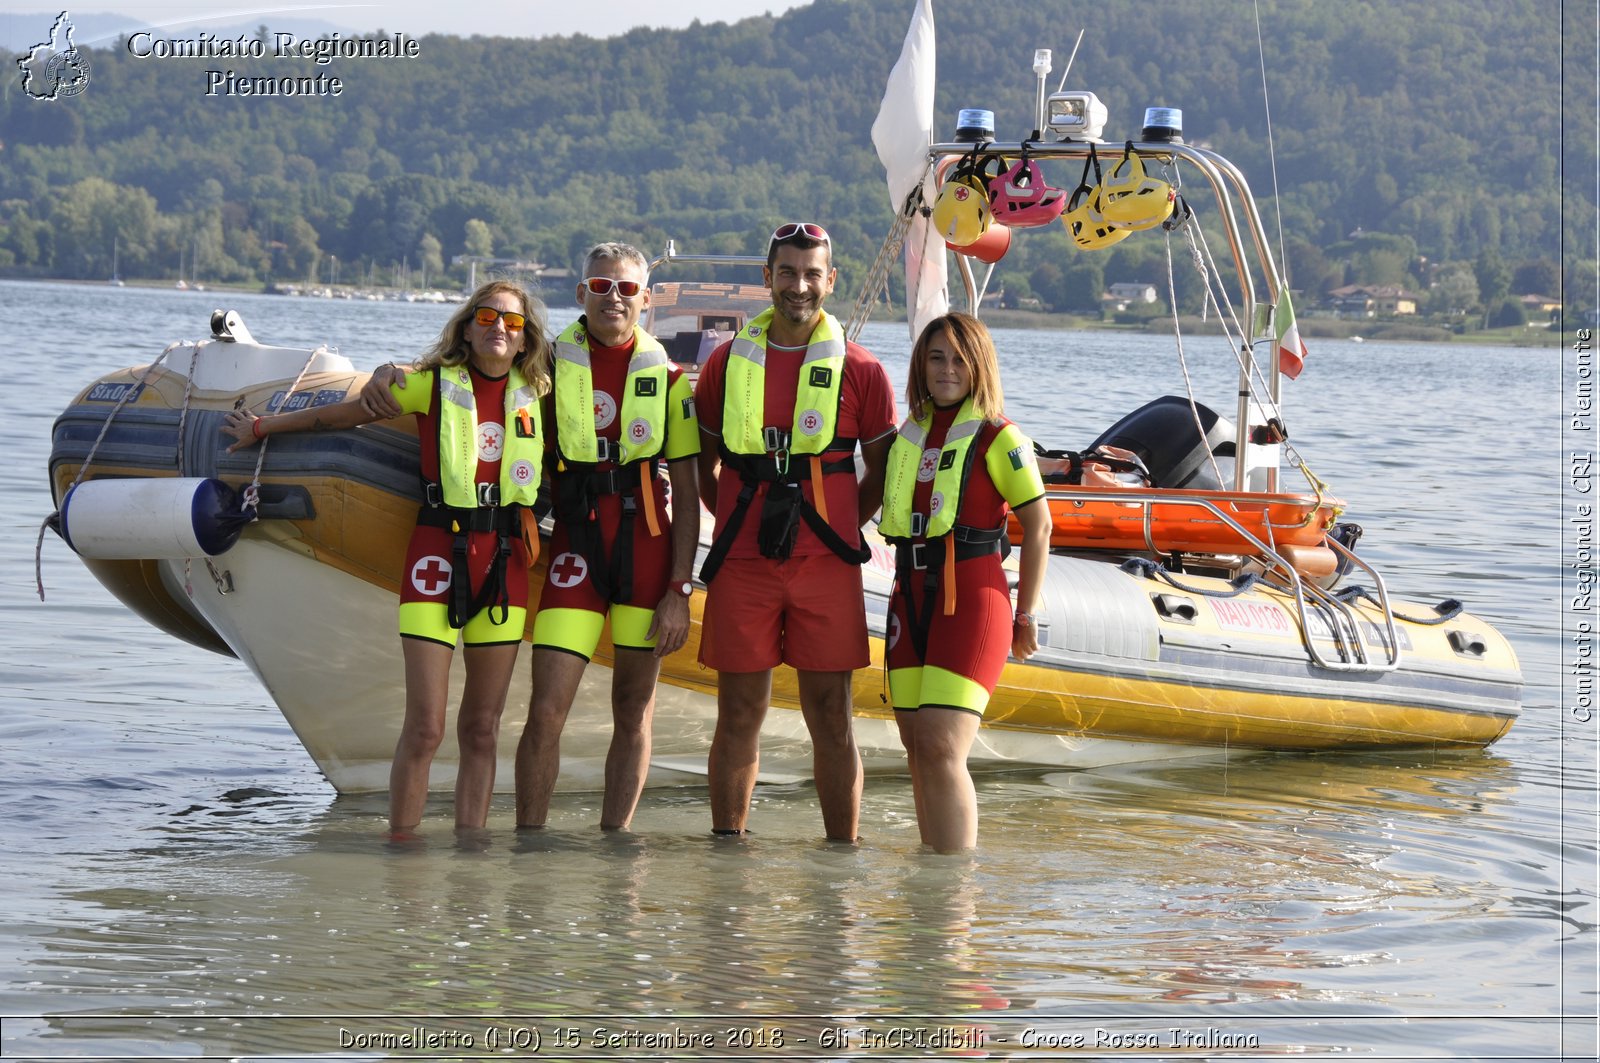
(1409, 137)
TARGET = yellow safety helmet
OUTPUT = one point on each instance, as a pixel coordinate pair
(1089, 228)
(1083, 217)
(962, 213)
(1131, 199)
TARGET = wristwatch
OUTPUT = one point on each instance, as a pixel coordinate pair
(685, 588)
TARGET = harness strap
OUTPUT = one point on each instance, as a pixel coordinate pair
(578, 488)
(752, 474)
(774, 465)
(730, 531)
(507, 523)
(937, 561)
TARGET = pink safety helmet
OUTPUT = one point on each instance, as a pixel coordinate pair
(1020, 199)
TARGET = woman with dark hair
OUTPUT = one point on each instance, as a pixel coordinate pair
(466, 574)
(955, 470)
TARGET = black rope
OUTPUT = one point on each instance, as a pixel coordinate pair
(1447, 610)
(1143, 566)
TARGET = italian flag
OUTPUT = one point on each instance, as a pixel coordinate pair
(1291, 351)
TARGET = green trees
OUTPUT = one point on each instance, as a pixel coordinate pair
(712, 134)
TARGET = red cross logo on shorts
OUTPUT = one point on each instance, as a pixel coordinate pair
(430, 575)
(894, 629)
(568, 570)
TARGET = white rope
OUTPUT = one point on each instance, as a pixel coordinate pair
(83, 469)
(1272, 146)
(1260, 388)
(877, 280)
(1183, 359)
(252, 494)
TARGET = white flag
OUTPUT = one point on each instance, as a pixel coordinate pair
(901, 134)
(904, 126)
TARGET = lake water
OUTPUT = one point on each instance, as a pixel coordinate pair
(182, 882)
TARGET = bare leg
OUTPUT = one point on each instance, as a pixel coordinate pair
(483, 700)
(555, 684)
(948, 809)
(427, 686)
(907, 723)
(633, 705)
(736, 746)
(836, 763)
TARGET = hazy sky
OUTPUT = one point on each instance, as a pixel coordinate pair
(529, 18)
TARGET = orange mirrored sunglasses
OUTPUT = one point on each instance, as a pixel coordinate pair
(487, 315)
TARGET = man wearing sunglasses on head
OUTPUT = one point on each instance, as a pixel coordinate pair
(621, 410)
(784, 406)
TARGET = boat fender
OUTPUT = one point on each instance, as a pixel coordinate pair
(151, 519)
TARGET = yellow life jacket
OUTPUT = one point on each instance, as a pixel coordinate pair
(954, 466)
(816, 402)
(643, 406)
(458, 440)
(760, 453)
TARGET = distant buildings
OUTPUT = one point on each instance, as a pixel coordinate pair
(1371, 300)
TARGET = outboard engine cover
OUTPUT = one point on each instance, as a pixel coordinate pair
(1165, 436)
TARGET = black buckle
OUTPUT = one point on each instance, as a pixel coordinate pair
(488, 494)
(608, 450)
(433, 495)
(919, 559)
(919, 525)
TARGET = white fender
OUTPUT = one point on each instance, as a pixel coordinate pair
(158, 519)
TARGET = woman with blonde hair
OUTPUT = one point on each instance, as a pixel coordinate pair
(955, 470)
(475, 394)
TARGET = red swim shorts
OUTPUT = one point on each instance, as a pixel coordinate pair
(806, 612)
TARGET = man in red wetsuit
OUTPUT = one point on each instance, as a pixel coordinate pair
(619, 412)
(783, 408)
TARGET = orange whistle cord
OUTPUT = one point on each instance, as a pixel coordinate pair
(530, 535)
(819, 497)
(950, 575)
(647, 498)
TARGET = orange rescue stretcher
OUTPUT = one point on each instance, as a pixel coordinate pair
(1175, 520)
